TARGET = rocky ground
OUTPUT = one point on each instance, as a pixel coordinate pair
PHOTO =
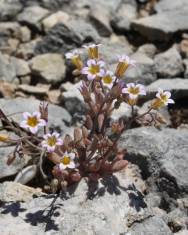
(151, 195)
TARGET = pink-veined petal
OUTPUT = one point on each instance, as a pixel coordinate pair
(26, 115)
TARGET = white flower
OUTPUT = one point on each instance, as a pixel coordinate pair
(51, 141)
(67, 161)
(108, 78)
(93, 69)
(134, 90)
(126, 59)
(72, 54)
(93, 50)
(32, 121)
(164, 97)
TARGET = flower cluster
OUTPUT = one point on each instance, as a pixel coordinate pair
(93, 149)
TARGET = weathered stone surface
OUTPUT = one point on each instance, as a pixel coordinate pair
(186, 68)
(7, 69)
(52, 20)
(169, 63)
(100, 18)
(9, 29)
(9, 9)
(25, 34)
(27, 50)
(71, 98)
(161, 154)
(12, 191)
(168, 5)
(32, 16)
(57, 115)
(103, 210)
(34, 90)
(21, 66)
(67, 36)
(148, 49)
(178, 87)
(50, 67)
(162, 26)
(144, 72)
(123, 17)
(153, 225)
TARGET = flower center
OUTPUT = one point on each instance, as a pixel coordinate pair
(164, 98)
(32, 121)
(107, 79)
(94, 69)
(52, 141)
(134, 90)
(66, 160)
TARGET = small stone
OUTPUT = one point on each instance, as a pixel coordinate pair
(26, 50)
(144, 72)
(10, 29)
(100, 18)
(168, 5)
(186, 68)
(52, 20)
(7, 69)
(66, 36)
(25, 34)
(9, 9)
(148, 49)
(34, 90)
(169, 63)
(12, 191)
(162, 26)
(51, 67)
(184, 47)
(7, 89)
(123, 17)
(71, 98)
(21, 66)
(32, 16)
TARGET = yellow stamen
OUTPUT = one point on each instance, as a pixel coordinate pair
(94, 69)
(76, 60)
(4, 138)
(121, 68)
(32, 121)
(93, 53)
(66, 160)
(52, 141)
(107, 79)
(133, 90)
(157, 103)
(132, 101)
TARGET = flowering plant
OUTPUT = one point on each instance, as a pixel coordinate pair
(92, 151)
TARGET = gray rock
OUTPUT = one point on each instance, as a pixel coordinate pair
(177, 220)
(177, 86)
(50, 67)
(144, 72)
(25, 34)
(162, 26)
(104, 210)
(148, 49)
(27, 50)
(64, 37)
(169, 63)
(71, 98)
(7, 69)
(9, 9)
(57, 116)
(32, 16)
(186, 68)
(12, 191)
(21, 66)
(40, 91)
(168, 5)
(100, 18)
(162, 156)
(52, 20)
(9, 29)
(153, 225)
(123, 17)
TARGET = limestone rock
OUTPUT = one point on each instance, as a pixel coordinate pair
(169, 63)
(49, 66)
